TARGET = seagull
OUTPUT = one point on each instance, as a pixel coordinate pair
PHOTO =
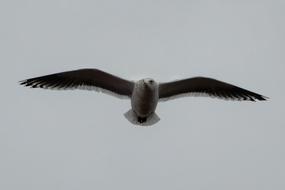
(145, 93)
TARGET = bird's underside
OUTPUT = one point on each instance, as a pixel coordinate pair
(144, 93)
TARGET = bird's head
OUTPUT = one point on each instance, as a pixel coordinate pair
(149, 82)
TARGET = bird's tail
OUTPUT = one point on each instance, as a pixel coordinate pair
(133, 118)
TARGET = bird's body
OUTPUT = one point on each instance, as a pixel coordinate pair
(144, 98)
(145, 93)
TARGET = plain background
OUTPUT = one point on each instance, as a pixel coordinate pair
(71, 140)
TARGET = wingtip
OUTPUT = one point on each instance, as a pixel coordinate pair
(22, 82)
(264, 98)
(25, 83)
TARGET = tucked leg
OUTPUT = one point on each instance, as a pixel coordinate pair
(141, 119)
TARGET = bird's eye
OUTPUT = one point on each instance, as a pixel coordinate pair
(151, 81)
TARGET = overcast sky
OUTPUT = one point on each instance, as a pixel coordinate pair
(71, 140)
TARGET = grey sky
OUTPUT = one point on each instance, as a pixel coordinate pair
(80, 139)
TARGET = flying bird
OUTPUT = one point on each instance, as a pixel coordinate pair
(145, 93)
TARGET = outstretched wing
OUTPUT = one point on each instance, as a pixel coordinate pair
(205, 86)
(82, 79)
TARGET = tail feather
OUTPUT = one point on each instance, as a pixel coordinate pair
(133, 118)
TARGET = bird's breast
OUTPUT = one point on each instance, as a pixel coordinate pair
(144, 100)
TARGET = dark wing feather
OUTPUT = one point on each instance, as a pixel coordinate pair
(206, 86)
(82, 79)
